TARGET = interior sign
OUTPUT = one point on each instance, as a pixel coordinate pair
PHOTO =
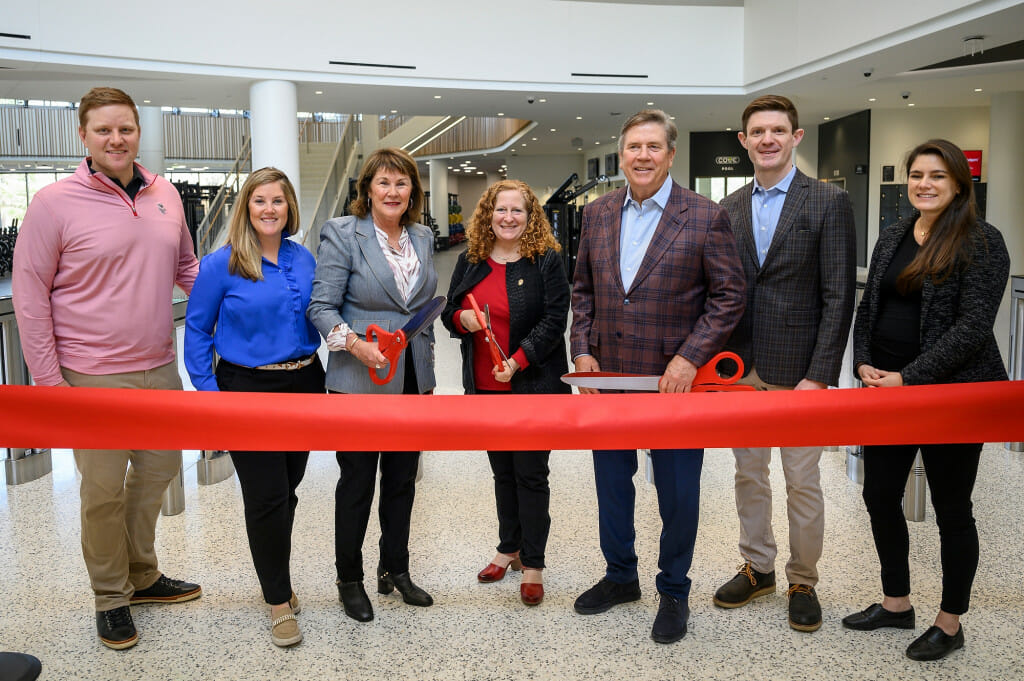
(727, 162)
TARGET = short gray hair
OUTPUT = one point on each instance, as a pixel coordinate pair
(650, 116)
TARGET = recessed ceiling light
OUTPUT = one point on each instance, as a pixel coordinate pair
(523, 144)
(728, 129)
(319, 92)
(977, 89)
(672, 118)
(500, 114)
(596, 142)
(479, 172)
(828, 118)
(542, 100)
(613, 136)
(455, 170)
(650, 103)
(579, 118)
(145, 101)
(911, 104)
(437, 96)
(533, 139)
(553, 130)
(394, 111)
(579, 148)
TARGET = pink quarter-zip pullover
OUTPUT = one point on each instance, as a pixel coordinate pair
(94, 273)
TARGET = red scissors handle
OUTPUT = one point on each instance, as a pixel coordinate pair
(390, 345)
(491, 343)
(708, 379)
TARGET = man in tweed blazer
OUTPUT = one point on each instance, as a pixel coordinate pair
(796, 239)
(658, 290)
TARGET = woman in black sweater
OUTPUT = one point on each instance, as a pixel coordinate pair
(933, 289)
(513, 266)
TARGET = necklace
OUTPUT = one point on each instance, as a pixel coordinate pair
(505, 258)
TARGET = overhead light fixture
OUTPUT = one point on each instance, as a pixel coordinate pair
(872, 99)
(579, 118)
(394, 111)
(911, 104)
(650, 103)
(500, 114)
(975, 44)
(145, 101)
(553, 130)
(534, 139)
(978, 89)
(828, 118)
(437, 96)
(728, 129)
(318, 92)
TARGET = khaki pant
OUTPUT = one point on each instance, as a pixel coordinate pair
(805, 504)
(120, 503)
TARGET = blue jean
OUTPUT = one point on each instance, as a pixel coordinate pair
(677, 481)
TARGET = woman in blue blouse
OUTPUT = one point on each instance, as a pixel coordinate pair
(249, 303)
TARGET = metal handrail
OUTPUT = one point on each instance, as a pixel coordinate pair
(335, 185)
(216, 218)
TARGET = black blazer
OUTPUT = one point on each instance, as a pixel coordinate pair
(538, 300)
(957, 343)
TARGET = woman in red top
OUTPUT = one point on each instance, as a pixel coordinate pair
(513, 267)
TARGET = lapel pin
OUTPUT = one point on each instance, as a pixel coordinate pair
(519, 283)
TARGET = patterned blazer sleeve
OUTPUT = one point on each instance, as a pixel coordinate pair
(837, 262)
(726, 291)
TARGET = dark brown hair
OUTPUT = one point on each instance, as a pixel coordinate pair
(104, 96)
(397, 161)
(948, 240)
(772, 103)
(537, 238)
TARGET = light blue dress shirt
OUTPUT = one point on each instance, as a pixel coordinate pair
(639, 220)
(765, 209)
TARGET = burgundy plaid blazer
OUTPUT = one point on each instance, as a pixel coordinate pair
(686, 298)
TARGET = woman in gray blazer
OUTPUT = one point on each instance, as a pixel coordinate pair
(934, 285)
(376, 267)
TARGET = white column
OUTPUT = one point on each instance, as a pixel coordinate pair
(1005, 203)
(439, 194)
(151, 140)
(370, 133)
(275, 131)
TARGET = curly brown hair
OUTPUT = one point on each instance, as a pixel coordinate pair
(537, 238)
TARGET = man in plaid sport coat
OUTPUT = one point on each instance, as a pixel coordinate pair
(796, 239)
(658, 290)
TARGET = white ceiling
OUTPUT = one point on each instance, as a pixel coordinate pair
(833, 90)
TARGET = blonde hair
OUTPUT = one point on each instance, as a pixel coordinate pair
(246, 253)
(537, 238)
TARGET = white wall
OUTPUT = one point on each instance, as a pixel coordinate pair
(487, 44)
(894, 132)
(780, 35)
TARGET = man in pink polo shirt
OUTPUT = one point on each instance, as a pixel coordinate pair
(95, 265)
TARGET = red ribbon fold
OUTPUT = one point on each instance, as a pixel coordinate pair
(105, 418)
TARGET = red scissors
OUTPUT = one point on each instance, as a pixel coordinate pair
(391, 345)
(496, 353)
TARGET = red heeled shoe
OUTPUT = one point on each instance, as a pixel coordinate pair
(531, 593)
(495, 573)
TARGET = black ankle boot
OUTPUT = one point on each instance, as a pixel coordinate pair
(411, 594)
(357, 604)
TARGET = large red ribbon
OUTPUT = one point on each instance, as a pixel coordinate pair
(105, 418)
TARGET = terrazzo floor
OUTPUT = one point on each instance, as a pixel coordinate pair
(477, 631)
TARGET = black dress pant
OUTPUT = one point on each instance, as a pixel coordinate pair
(951, 470)
(354, 496)
(522, 495)
(269, 479)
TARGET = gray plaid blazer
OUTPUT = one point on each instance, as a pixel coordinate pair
(800, 301)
